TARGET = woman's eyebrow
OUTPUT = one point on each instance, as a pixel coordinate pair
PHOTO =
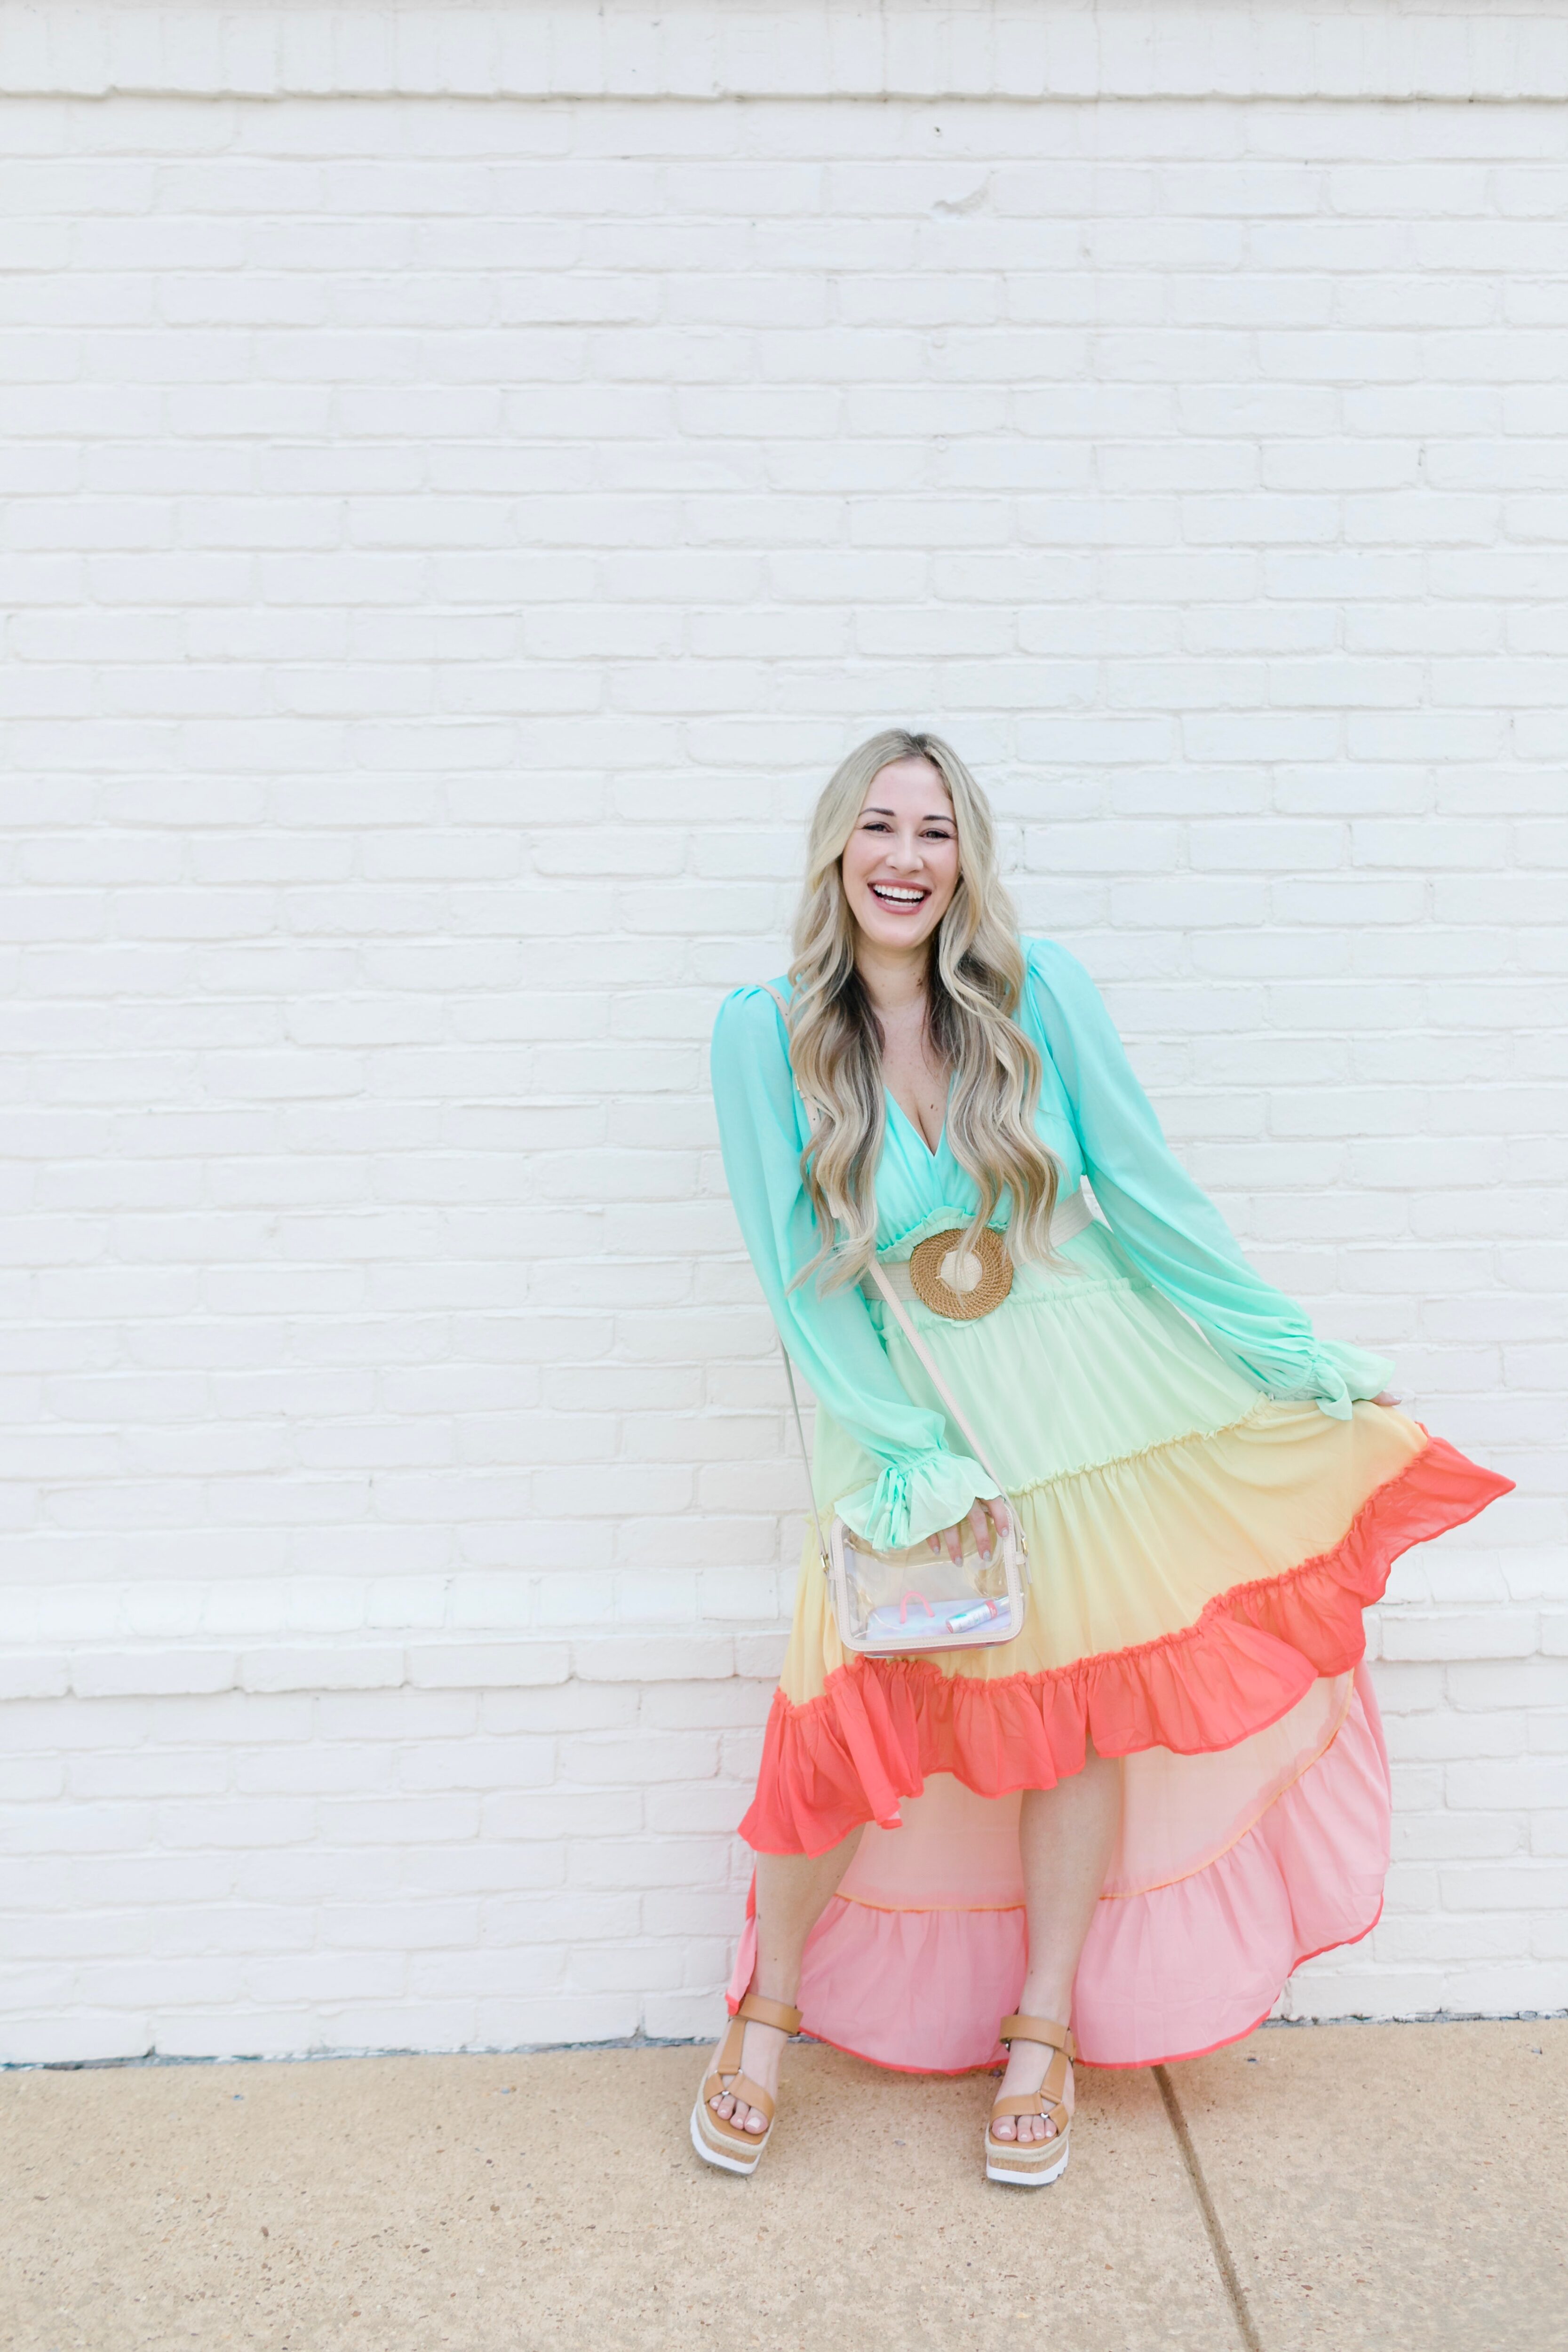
(938, 816)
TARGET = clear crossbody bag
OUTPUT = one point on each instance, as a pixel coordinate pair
(893, 1603)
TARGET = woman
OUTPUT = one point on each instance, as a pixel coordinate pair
(1136, 1818)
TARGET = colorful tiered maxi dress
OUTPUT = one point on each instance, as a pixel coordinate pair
(1210, 1500)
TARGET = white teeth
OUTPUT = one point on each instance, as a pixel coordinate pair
(897, 898)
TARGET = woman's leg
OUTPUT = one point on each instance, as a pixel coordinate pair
(1065, 1837)
(792, 1892)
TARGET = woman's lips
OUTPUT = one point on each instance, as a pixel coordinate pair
(899, 897)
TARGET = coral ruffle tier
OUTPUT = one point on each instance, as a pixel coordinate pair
(883, 1725)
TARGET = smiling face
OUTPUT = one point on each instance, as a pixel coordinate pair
(900, 863)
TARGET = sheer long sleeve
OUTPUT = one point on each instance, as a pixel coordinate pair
(1166, 1222)
(923, 1485)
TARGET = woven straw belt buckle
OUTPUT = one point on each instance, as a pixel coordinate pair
(961, 1280)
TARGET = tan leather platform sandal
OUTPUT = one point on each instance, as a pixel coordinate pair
(1032, 2164)
(715, 2140)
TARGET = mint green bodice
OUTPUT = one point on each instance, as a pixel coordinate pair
(1095, 1120)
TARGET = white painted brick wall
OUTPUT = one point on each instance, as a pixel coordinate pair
(446, 545)
(439, 1845)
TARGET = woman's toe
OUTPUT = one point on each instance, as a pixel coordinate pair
(755, 2120)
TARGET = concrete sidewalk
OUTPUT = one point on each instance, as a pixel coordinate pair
(1398, 2186)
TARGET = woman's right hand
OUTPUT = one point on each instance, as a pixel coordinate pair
(989, 1521)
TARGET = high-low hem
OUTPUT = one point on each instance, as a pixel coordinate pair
(1168, 1971)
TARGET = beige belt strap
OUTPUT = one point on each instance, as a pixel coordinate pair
(1071, 1216)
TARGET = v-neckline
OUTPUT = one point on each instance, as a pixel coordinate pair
(933, 1153)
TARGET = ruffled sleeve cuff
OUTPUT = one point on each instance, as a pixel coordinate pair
(1358, 1374)
(1329, 1373)
(914, 1498)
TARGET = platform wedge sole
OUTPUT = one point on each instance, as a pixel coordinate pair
(726, 2157)
(1013, 2172)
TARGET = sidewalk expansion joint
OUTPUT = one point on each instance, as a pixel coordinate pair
(1229, 2280)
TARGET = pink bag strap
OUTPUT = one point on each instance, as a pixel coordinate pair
(822, 1550)
(895, 1307)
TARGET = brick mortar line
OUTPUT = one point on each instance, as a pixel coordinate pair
(641, 101)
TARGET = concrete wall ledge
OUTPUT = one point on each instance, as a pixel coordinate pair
(464, 1659)
(142, 1670)
(1074, 49)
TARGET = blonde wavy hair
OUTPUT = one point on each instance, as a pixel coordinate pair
(975, 987)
